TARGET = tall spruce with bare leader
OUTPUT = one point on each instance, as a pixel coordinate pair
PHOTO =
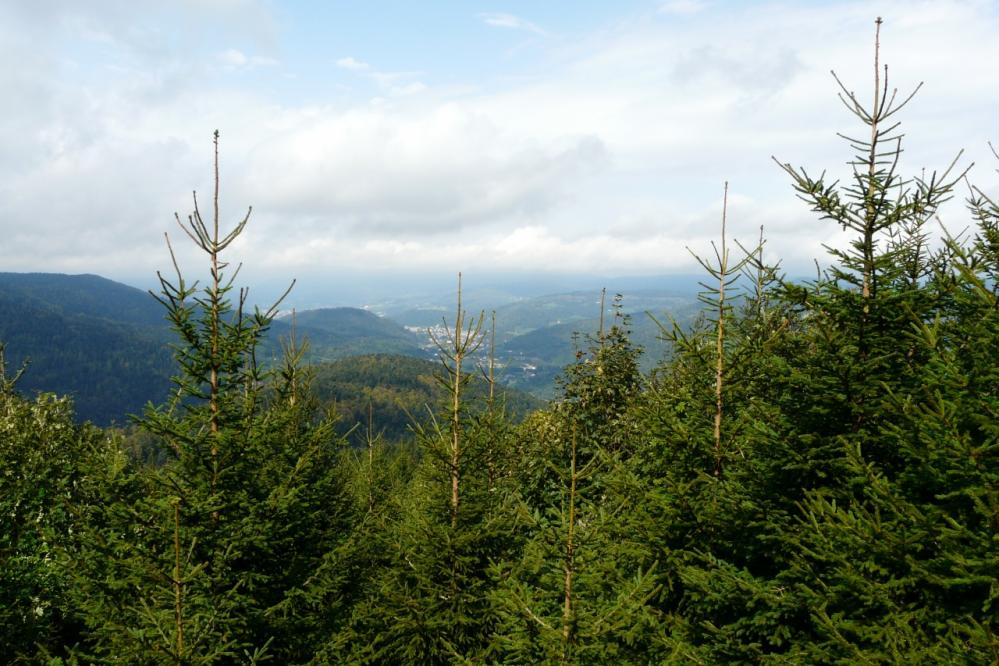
(899, 564)
(903, 567)
(577, 591)
(826, 566)
(699, 417)
(204, 565)
(432, 601)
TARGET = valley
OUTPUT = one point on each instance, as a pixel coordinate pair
(108, 345)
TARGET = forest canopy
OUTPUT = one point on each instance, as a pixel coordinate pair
(810, 476)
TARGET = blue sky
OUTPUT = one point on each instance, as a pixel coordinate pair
(500, 137)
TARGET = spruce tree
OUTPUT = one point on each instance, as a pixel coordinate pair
(908, 564)
(836, 584)
(577, 591)
(701, 416)
(48, 462)
(205, 562)
(431, 603)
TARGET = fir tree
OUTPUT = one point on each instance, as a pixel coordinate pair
(577, 591)
(207, 560)
(432, 603)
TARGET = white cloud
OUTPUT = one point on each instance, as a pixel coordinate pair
(233, 58)
(683, 7)
(414, 88)
(385, 170)
(352, 64)
(607, 153)
(236, 59)
(499, 20)
(389, 80)
(390, 83)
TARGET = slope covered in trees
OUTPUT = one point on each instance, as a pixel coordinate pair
(103, 343)
(339, 332)
(393, 394)
(107, 345)
(810, 477)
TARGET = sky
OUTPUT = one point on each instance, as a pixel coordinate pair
(401, 138)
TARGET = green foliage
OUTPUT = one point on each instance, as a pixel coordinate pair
(398, 392)
(827, 539)
(110, 362)
(577, 591)
(42, 454)
(812, 476)
(429, 601)
(205, 558)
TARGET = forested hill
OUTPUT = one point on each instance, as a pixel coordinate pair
(101, 342)
(401, 391)
(107, 345)
(339, 332)
(84, 295)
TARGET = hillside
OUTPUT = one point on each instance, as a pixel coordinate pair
(107, 344)
(79, 342)
(535, 359)
(87, 295)
(338, 332)
(537, 337)
(399, 390)
(581, 308)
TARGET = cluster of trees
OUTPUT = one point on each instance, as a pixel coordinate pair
(810, 477)
(390, 394)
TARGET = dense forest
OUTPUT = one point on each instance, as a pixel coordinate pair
(107, 345)
(809, 477)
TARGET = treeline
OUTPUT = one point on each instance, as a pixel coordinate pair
(810, 477)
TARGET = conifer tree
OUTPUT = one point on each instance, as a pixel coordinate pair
(700, 416)
(908, 565)
(46, 460)
(825, 444)
(577, 592)
(432, 602)
(204, 563)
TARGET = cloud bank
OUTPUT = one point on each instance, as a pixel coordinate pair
(600, 150)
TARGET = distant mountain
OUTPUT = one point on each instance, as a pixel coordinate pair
(422, 317)
(108, 345)
(87, 295)
(399, 390)
(406, 297)
(338, 332)
(534, 360)
(537, 337)
(579, 307)
(101, 342)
